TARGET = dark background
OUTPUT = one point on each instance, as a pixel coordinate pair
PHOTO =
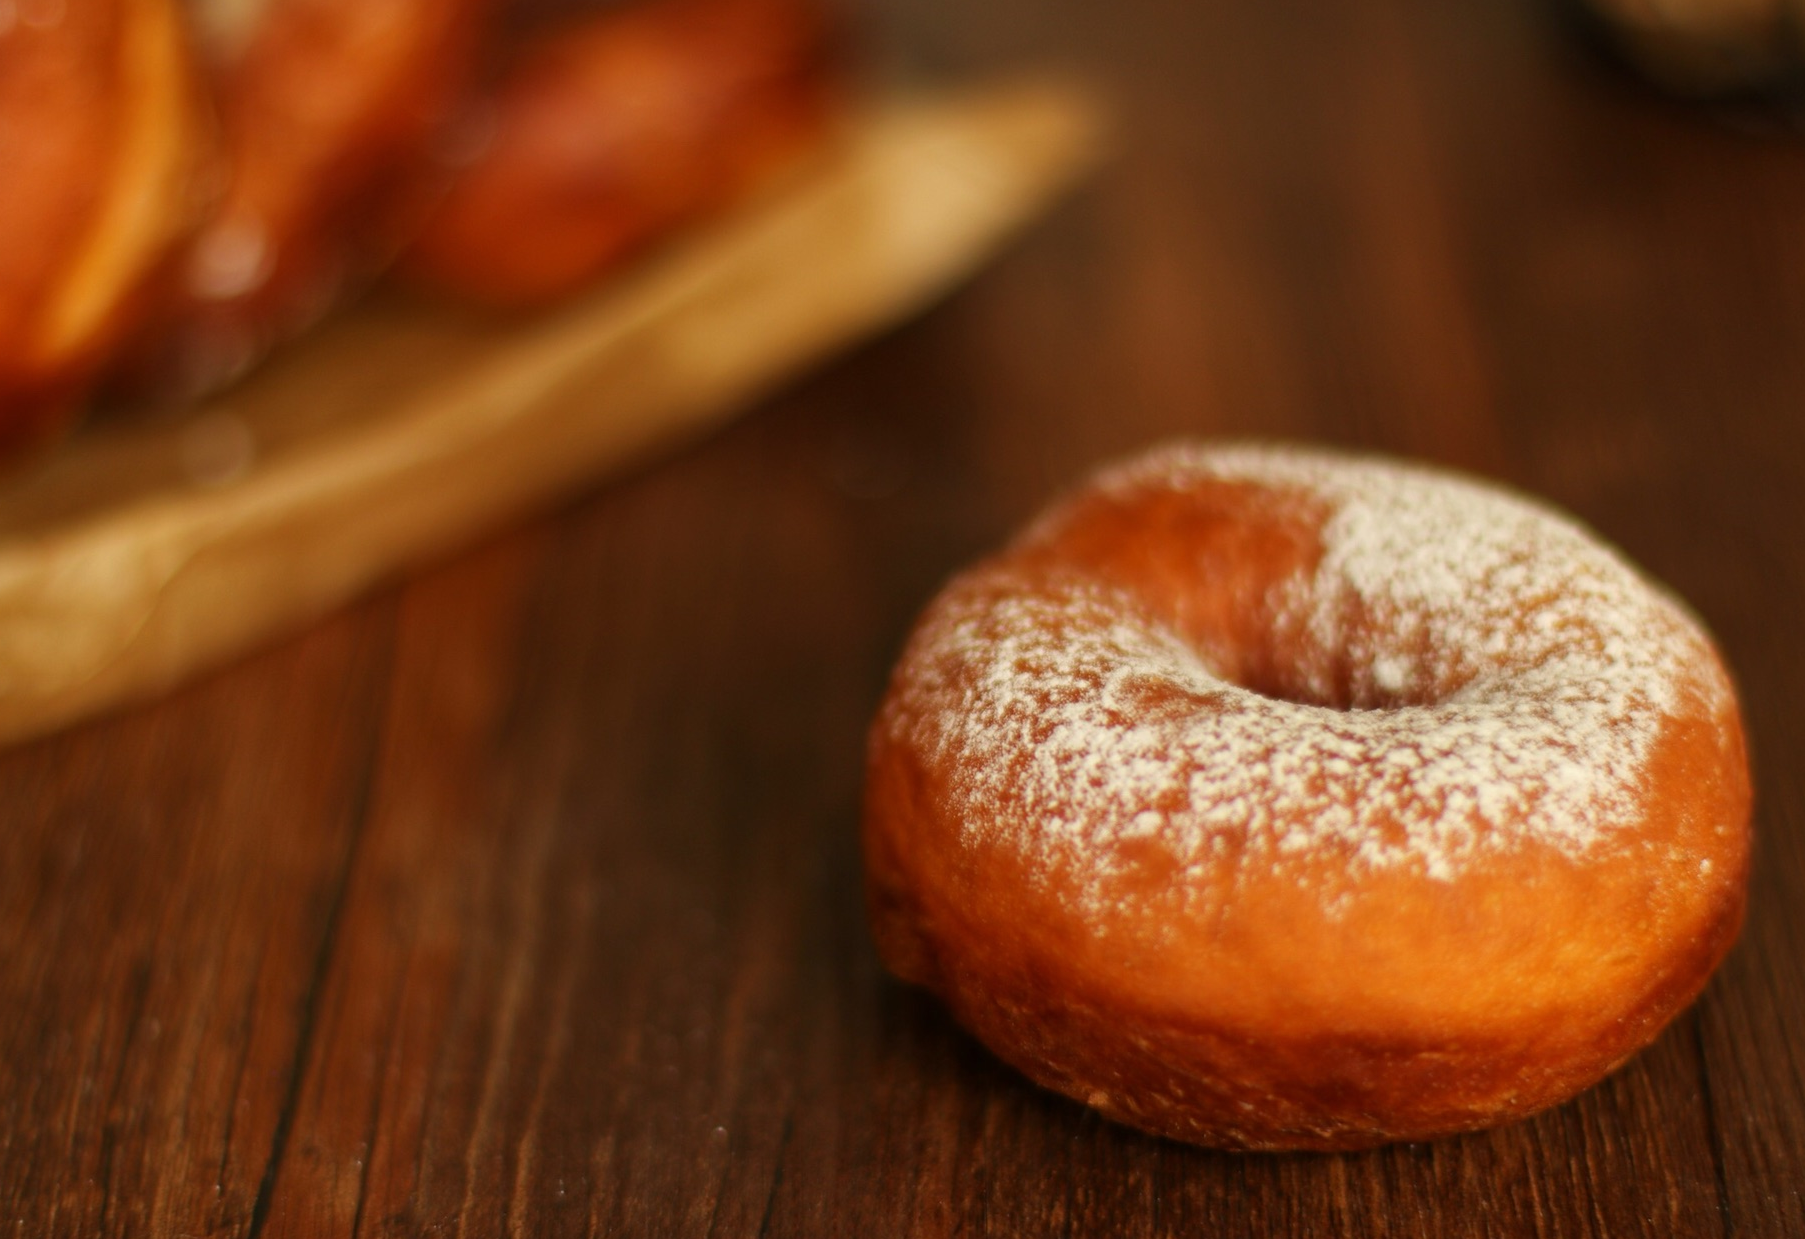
(523, 897)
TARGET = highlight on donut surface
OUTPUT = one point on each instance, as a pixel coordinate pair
(1272, 798)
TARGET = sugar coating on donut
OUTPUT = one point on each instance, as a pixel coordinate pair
(1539, 665)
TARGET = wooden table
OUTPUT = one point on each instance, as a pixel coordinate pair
(523, 898)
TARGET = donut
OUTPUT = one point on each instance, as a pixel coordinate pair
(323, 107)
(611, 130)
(360, 135)
(1273, 798)
(196, 182)
(102, 142)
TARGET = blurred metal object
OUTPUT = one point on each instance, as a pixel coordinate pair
(1708, 47)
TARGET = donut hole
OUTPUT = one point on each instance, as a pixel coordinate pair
(1231, 568)
(1361, 663)
(1326, 678)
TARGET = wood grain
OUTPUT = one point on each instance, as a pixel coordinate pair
(522, 899)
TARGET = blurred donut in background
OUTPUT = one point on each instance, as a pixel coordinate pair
(205, 180)
(103, 138)
(607, 131)
(320, 105)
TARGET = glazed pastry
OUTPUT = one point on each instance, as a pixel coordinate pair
(102, 138)
(608, 132)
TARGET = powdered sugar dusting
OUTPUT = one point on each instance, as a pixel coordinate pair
(1527, 672)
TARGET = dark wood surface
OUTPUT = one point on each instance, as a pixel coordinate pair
(523, 898)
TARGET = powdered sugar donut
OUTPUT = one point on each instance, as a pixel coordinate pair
(1268, 798)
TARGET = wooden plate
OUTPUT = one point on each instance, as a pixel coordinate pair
(142, 553)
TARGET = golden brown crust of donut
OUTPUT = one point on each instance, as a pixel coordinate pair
(1316, 1003)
